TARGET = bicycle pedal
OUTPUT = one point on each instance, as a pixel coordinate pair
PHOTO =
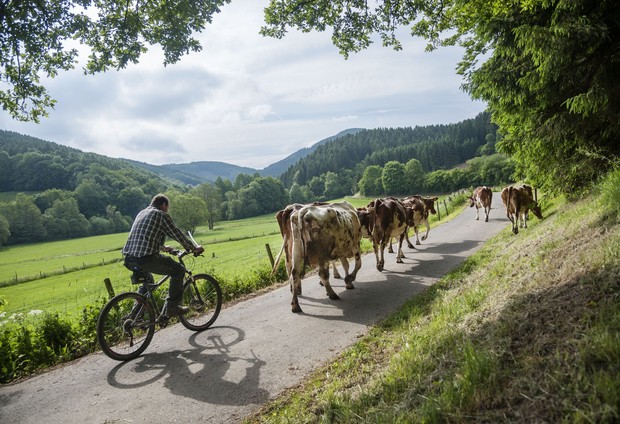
(163, 320)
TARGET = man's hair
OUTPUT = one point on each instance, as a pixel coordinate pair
(159, 200)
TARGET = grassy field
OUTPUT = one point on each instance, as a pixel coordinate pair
(526, 330)
(78, 264)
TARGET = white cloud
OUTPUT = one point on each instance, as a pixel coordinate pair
(250, 100)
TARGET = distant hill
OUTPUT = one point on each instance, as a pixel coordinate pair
(195, 173)
(278, 168)
(208, 171)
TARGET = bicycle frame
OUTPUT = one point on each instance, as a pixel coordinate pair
(162, 318)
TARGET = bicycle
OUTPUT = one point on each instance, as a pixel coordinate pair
(126, 324)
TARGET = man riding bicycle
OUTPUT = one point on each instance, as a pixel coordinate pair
(145, 242)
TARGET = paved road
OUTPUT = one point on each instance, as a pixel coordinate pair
(256, 350)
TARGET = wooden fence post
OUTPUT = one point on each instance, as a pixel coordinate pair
(269, 254)
(446, 206)
(109, 288)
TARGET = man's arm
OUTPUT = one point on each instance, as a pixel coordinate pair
(174, 232)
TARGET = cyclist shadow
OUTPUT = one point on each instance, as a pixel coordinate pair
(215, 378)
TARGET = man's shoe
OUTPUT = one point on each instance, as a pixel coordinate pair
(175, 311)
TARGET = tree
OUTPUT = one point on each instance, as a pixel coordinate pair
(34, 40)
(188, 211)
(224, 186)
(132, 200)
(64, 220)
(92, 198)
(213, 199)
(24, 218)
(5, 233)
(415, 176)
(548, 69)
(335, 186)
(296, 194)
(316, 188)
(370, 184)
(5, 172)
(394, 178)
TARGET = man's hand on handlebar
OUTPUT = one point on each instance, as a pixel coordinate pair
(198, 250)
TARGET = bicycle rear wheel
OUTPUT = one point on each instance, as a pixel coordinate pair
(204, 298)
(125, 326)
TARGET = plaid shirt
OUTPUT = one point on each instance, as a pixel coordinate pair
(148, 233)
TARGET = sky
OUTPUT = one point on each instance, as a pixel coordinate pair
(249, 100)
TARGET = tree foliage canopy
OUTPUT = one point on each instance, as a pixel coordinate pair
(36, 40)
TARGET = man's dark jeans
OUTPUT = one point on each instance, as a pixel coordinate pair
(163, 265)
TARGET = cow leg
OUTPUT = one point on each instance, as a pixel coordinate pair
(390, 250)
(376, 247)
(417, 235)
(428, 230)
(336, 273)
(409, 245)
(296, 283)
(348, 280)
(515, 224)
(477, 213)
(381, 257)
(400, 255)
(345, 266)
(486, 212)
(324, 276)
(515, 228)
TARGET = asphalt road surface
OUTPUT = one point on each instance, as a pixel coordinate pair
(255, 350)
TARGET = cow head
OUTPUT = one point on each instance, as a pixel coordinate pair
(430, 204)
(364, 216)
(536, 210)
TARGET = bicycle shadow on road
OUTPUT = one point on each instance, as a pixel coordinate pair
(196, 373)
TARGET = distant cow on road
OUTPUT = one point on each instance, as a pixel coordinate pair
(482, 198)
(519, 202)
(318, 234)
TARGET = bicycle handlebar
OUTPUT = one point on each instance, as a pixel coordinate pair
(182, 253)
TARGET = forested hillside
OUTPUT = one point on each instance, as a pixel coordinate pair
(435, 146)
(31, 164)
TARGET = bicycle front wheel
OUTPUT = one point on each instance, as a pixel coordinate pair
(125, 326)
(203, 295)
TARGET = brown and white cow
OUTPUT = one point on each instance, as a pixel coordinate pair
(319, 234)
(388, 218)
(283, 218)
(519, 202)
(482, 198)
(421, 208)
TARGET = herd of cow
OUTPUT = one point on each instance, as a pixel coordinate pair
(319, 234)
